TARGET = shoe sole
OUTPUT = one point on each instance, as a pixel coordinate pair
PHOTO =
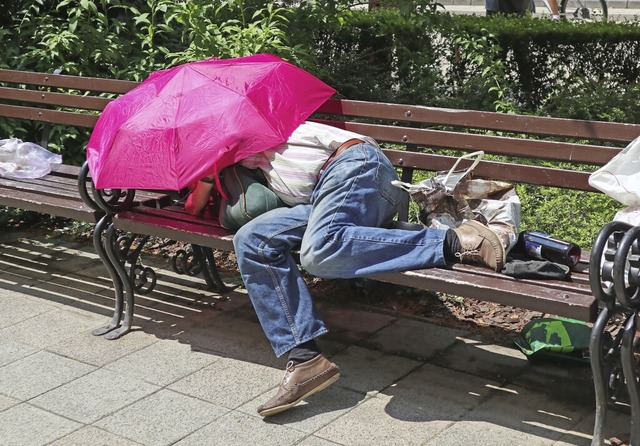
(278, 409)
(489, 235)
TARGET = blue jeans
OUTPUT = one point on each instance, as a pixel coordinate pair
(343, 233)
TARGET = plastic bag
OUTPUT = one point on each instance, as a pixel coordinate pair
(620, 177)
(20, 159)
(446, 181)
(555, 338)
(450, 198)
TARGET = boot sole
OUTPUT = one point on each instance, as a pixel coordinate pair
(282, 408)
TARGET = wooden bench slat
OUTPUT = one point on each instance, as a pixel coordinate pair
(51, 116)
(608, 131)
(54, 99)
(496, 145)
(159, 226)
(516, 173)
(67, 81)
(580, 306)
(53, 205)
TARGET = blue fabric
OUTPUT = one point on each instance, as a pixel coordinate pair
(343, 233)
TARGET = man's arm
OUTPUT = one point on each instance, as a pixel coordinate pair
(199, 196)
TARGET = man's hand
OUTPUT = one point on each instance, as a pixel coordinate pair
(198, 198)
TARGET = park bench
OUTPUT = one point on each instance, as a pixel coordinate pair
(424, 139)
(415, 138)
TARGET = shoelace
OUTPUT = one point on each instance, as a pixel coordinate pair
(469, 253)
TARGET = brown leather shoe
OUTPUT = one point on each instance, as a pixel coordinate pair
(480, 244)
(301, 381)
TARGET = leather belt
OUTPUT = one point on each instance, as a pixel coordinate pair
(344, 146)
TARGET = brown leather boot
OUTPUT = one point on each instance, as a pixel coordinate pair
(299, 382)
(480, 245)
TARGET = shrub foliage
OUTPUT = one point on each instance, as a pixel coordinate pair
(404, 52)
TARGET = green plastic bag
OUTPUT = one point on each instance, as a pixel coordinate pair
(555, 338)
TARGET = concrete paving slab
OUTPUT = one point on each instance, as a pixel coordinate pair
(352, 324)
(162, 418)
(314, 413)
(12, 351)
(525, 417)
(51, 327)
(230, 336)
(94, 396)
(571, 379)
(67, 294)
(7, 402)
(404, 381)
(239, 429)
(25, 425)
(413, 338)
(98, 351)
(15, 308)
(39, 373)
(617, 425)
(312, 440)
(478, 356)
(228, 382)
(357, 364)
(91, 435)
(370, 423)
(162, 362)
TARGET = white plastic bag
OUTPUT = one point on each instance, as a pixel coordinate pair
(20, 159)
(452, 197)
(620, 177)
(448, 180)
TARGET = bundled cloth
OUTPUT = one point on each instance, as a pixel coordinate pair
(620, 179)
(450, 198)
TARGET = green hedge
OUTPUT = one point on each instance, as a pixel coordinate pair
(508, 64)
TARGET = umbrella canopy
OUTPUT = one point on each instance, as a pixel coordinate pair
(190, 121)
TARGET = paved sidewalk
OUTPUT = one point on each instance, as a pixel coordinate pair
(197, 366)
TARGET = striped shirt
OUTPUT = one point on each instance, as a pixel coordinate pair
(292, 168)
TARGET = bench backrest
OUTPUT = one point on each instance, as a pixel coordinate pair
(429, 138)
(56, 98)
(414, 137)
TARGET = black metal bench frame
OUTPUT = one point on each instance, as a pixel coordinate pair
(415, 139)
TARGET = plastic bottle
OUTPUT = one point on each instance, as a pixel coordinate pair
(541, 246)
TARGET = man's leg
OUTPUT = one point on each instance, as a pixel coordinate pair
(272, 278)
(283, 303)
(348, 233)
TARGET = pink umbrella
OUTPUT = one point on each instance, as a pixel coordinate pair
(192, 120)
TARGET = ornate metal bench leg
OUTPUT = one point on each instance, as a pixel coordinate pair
(143, 279)
(112, 253)
(101, 226)
(606, 374)
(632, 374)
(200, 261)
(600, 375)
(626, 280)
(210, 270)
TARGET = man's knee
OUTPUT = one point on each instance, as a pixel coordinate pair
(319, 259)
